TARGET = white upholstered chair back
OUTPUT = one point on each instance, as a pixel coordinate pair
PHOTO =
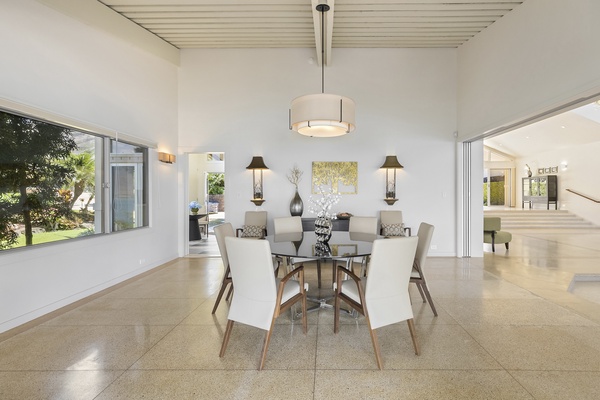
(256, 218)
(287, 225)
(221, 232)
(363, 225)
(255, 293)
(418, 276)
(389, 217)
(425, 233)
(386, 291)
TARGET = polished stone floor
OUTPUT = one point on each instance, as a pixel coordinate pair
(508, 328)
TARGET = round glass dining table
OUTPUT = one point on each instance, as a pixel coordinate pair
(342, 245)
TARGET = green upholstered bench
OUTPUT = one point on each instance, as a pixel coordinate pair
(493, 234)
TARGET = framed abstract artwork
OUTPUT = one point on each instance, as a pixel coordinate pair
(335, 176)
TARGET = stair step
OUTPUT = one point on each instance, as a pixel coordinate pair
(537, 226)
(540, 219)
(544, 221)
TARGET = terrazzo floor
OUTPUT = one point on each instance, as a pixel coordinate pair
(508, 328)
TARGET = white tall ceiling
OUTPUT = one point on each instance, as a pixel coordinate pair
(572, 128)
(295, 23)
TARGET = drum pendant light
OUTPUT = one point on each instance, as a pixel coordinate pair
(322, 115)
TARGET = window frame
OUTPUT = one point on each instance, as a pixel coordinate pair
(103, 214)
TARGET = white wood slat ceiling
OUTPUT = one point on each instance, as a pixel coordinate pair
(291, 23)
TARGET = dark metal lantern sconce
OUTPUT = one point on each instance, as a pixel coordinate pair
(257, 164)
(390, 163)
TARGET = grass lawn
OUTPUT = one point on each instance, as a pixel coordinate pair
(46, 237)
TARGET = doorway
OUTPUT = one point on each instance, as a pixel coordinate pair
(206, 188)
(497, 187)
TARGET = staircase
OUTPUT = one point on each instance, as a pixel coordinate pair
(539, 219)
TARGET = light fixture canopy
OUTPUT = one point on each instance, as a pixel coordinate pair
(390, 163)
(257, 164)
(322, 114)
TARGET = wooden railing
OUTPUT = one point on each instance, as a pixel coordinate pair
(583, 195)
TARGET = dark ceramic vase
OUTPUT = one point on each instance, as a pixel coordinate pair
(296, 205)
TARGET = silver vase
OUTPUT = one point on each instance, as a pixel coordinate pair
(296, 205)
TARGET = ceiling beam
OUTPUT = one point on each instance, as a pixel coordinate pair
(328, 30)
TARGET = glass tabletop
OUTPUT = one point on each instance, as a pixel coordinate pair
(305, 245)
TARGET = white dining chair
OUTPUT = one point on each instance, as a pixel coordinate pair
(283, 225)
(390, 216)
(255, 225)
(287, 225)
(392, 224)
(259, 297)
(382, 297)
(221, 232)
(418, 276)
(361, 225)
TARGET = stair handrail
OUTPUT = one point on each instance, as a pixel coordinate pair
(583, 195)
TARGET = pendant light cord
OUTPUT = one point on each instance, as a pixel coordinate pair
(322, 51)
(322, 8)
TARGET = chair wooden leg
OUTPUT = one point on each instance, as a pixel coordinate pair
(375, 344)
(229, 294)
(413, 335)
(506, 244)
(266, 345)
(221, 291)
(426, 290)
(226, 337)
(421, 292)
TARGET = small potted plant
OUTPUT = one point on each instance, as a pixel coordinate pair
(194, 207)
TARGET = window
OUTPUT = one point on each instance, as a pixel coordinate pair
(56, 182)
(127, 183)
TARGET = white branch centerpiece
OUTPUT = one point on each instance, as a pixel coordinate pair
(296, 205)
(322, 208)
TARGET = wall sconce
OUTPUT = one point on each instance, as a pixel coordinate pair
(257, 164)
(166, 158)
(390, 163)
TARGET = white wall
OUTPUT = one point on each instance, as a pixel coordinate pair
(541, 55)
(54, 63)
(237, 101)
